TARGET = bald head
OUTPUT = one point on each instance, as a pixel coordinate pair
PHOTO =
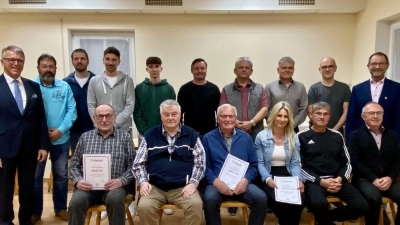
(327, 68)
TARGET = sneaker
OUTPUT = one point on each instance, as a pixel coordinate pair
(168, 211)
(233, 211)
(103, 215)
(63, 215)
(131, 210)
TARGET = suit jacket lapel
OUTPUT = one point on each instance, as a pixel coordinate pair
(7, 95)
(29, 94)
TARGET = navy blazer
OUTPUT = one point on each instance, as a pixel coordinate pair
(28, 129)
(389, 100)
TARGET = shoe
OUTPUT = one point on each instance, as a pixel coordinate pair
(233, 211)
(131, 210)
(34, 219)
(103, 215)
(63, 215)
(386, 220)
(168, 211)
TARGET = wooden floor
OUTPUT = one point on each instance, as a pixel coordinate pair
(48, 217)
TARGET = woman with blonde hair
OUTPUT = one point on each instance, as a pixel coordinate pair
(278, 154)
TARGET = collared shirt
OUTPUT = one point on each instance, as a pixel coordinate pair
(228, 140)
(376, 89)
(295, 94)
(119, 145)
(140, 169)
(171, 139)
(377, 136)
(10, 83)
(60, 107)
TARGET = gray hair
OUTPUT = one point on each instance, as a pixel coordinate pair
(224, 106)
(320, 105)
(368, 104)
(12, 48)
(244, 59)
(285, 59)
(169, 103)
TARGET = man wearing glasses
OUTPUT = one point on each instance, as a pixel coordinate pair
(24, 138)
(219, 143)
(104, 139)
(331, 91)
(377, 89)
(375, 158)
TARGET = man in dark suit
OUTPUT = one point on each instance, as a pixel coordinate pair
(23, 136)
(377, 89)
(375, 158)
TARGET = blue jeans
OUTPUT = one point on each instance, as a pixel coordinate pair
(253, 196)
(59, 166)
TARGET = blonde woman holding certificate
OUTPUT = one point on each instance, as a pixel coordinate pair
(278, 155)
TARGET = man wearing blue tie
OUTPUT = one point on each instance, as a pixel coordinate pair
(23, 136)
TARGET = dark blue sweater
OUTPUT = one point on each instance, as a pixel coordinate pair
(83, 122)
(170, 171)
(216, 152)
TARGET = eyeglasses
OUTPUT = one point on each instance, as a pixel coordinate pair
(377, 113)
(319, 114)
(328, 67)
(107, 116)
(12, 60)
(377, 64)
(227, 116)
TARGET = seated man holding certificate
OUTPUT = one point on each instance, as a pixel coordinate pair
(375, 157)
(169, 166)
(278, 156)
(231, 168)
(326, 167)
(101, 169)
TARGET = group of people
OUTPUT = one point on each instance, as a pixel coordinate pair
(184, 143)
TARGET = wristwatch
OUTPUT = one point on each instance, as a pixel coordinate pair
(253, 123)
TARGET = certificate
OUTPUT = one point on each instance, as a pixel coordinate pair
(97, 169)
(233, 171)
(287, 190)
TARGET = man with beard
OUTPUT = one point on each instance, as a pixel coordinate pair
(115, 88)
(59, 105)
(79, 83)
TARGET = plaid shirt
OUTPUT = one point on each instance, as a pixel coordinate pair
(119, 145)
(139, 165)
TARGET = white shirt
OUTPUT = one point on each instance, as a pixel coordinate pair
(278, 156)
(82, 81)
(112, 80)
(21, 87)
(376, 89)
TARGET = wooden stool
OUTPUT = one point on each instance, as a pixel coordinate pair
(16, 187)
(331, 199)
(99, 208)
(392, 208)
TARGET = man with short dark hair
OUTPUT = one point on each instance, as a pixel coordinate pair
(104, 139)
(169, 165)
(199, 99)
(331, 91)
(375, 157)
(24, 137)
(377, 89)
(326, 167)
(59, 104)
(79, 83)
(115, 88)
(289, 90)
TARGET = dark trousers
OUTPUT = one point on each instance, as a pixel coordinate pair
(280, 209)
(355, 207)
(374, 198)
(26, 165)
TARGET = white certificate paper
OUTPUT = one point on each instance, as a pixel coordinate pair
(97, 169)
(287, 190)
(233, 171)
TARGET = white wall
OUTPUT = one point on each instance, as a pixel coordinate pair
(178, 39)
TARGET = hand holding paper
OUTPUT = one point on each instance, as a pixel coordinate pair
(83, 185)
(113, 184)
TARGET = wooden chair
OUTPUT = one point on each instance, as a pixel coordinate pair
(225, 204)
(99, 208)
(392, 208)
(331, 199)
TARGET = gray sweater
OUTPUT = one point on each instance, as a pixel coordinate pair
(121, 97)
